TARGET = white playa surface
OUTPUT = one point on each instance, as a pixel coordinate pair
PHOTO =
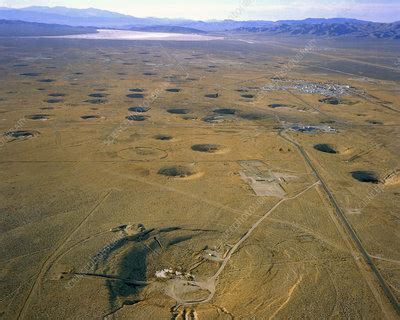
(136, 35)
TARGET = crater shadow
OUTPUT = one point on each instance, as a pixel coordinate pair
(54, 100)
(98, 95)
(225, 111)
(208, 148)
(247, 96)
(163, 137)
(21, 134)
(135, 95)
(38, 116)
(136, 90)
(330, 100)
(173, 90)
(139, 109)
(56, 94)
(30, 74)
(96, 101)
(365, 176)
(46, 80)
(90, 116)
(212, 95)
(178, 111)
(176, 171)
(327, 148)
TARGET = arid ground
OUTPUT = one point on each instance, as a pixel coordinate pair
(237, 178)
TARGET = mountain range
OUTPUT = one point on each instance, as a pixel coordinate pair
(108, 19)
(336, 27)
(331, 30)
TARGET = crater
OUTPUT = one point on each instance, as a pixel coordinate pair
(208, 148)
(149, 73)
(213, 119)
(330, 100)
(374, 122)
(21, 134)
(38, 116)
(247, 96)
(90, 116)
(136, 118)
(46, 80)
(176, 171)
(212, 95)
(96, 101)
(139, 109)
(327, 148)
(189, 117)
(135, 95)
(30, 74)
(163, 137)
(252, 116)
(365, 176)
(56, 94)
(136, 90)
(98, 95)
(225, 111)
(173, 90)
(178, 111)
(278, 105)
(54, 100)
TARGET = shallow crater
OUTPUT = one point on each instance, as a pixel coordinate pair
(136, 90)
(135, 95)
(21, 134)
(163, 137)
(176, 171)
(207, 148)
(365, 176)
(212, 95)
(247, 96)
(252, 116)
(178, 111)
(90, 116)
(54, 100)
(38, 116)
(139, 109)
(96, 101)
(98, 95)
(327, 148)
(46, 80)
(57, 94)
(225, 111)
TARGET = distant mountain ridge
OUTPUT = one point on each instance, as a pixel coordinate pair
(349, 29)
(108, 19)
(9, 28)
(79, 17)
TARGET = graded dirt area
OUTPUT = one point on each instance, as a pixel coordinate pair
(199, 180)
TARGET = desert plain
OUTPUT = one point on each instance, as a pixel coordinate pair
(233, 178)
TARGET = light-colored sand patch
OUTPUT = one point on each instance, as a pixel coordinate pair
(104, 34)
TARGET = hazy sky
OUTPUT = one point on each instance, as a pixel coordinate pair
(375, 10)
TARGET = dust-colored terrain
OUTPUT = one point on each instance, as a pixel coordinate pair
(246, 179)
